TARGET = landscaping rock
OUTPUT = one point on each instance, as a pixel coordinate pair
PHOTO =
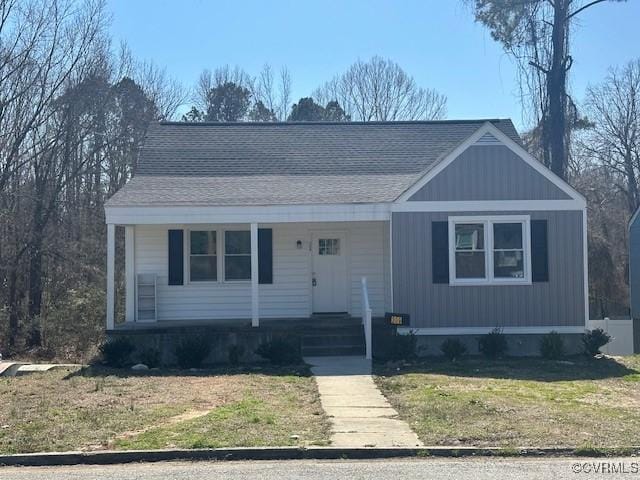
(139, 367)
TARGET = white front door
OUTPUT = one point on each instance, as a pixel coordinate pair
(329, 272)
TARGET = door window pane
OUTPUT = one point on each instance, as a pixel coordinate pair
(329, 246)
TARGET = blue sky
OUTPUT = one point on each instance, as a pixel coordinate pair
(436, 41)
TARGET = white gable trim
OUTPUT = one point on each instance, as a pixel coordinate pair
(488, 127)
(488, 206)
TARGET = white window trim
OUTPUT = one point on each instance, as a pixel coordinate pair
(220, 254)
(488, 222)
(204, 228)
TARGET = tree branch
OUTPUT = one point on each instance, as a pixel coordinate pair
(584, 7)
(539, 67)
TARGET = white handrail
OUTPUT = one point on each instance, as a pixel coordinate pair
(366, 318)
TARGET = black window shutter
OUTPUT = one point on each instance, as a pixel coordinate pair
(539, 251)
(265, 255)
(176, 257)
(440, 251)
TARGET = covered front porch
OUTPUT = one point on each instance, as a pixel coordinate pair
(297, 269)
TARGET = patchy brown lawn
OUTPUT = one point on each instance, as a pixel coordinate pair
(98, 409)
(519, 402)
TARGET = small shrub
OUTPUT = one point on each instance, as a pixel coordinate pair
(493, 344)
(552, 346)
(453, 349)
(594, 340)
(117, 352)
(280, 351)
(191, 352)
(235, 354)
(400, 347)
(150, 356)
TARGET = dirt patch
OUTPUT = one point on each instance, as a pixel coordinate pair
(92, 410)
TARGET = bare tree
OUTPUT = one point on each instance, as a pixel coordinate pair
(381, 90)
(167, 93)
(276, 98)
(284, 99)
(614, 142)
(607, 238)
(209, 80)
(264, 88)
(46, 45)
(71, 121)
(537, 34)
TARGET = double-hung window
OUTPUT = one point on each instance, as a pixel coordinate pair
(203, 256)
(489, 250)
(216, 254)
(508, 251)
(237, 255)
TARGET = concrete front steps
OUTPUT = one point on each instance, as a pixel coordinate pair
(337, 340)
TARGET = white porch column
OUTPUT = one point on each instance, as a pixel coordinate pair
(111, 265)
(391, 258)
(130, 274)
(255, 310)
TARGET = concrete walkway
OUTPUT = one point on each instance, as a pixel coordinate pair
(360, 415)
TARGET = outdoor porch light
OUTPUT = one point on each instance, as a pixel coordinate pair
(299, 244)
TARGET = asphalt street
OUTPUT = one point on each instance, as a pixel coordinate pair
(418, 469)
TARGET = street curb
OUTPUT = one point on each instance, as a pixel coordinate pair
(290, 453)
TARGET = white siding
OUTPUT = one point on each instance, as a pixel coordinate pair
(289, 295)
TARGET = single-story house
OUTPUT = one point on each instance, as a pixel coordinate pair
(452, 223)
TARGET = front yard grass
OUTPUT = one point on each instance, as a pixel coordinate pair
(526, 402)
(98, 409)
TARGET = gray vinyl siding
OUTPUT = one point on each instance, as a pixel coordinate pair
(559, 302)
(634, 266)
(489, 173)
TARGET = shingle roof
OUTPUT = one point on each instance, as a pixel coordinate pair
(289, 163)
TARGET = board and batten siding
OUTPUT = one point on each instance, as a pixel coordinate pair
(488, 172)
(558, 302)
(290, 294)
